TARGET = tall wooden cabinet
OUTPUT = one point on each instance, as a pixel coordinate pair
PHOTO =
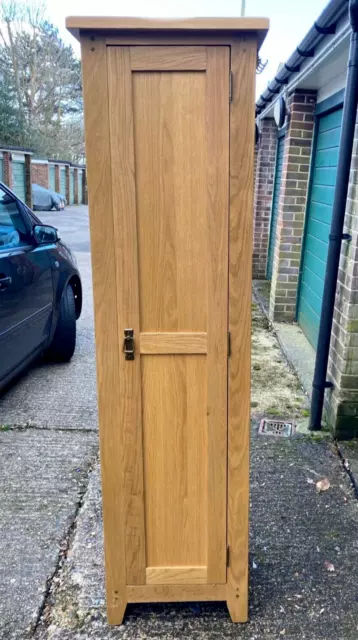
(169, 119)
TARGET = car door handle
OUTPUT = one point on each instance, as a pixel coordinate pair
(5, 282)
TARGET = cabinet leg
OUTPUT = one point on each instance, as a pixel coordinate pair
(115, 614)
(237, 598)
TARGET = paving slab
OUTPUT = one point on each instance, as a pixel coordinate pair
(62, 395)
(43, 476)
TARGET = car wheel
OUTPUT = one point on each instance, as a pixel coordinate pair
(63, 343)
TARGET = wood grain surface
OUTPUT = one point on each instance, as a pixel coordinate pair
(176, 575)
(168, 58)
(160, 343)
(217, 184)
(95, 90)
(128, 392)
(243, 61)
(170, 172)
(176, 593)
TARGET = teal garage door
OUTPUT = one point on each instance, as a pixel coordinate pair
(63, 182)
(275, 201)
(319, 212)
(18, 179)
(72, 186)
(1, 170)
(51, 177)
(80, 192)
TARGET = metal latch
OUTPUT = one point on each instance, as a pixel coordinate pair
(128, 344)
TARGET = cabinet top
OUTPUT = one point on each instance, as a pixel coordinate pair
(212, 26)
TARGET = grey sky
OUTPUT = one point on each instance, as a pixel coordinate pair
(290, 19)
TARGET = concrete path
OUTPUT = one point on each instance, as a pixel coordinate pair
(303, 544)
(48, 443)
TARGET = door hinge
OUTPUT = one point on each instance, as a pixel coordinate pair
(228, 556)
(228, 344)
(230, 86)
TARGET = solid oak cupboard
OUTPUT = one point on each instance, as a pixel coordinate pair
(169, 121)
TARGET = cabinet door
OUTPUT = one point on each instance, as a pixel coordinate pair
(169, 148)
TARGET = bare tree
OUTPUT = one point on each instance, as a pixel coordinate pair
(41, 73)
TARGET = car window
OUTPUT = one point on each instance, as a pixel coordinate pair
(13, 232)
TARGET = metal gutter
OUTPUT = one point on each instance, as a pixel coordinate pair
(324, 25)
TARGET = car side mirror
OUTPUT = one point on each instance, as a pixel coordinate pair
(44, 234)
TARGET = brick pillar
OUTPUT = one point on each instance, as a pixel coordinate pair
(57, 178)
(75, 177)
(40, 174)
(7, 168)
(67, 173)
(28, 180)
(342, 402)
(292, 205)
(265, 169)
(84, 186)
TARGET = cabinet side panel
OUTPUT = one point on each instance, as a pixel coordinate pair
(95, 89)
(243, 64)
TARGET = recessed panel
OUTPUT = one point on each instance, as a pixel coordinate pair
(171, 191)
(175, 459)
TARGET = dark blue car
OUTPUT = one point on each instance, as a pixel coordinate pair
(40, 290)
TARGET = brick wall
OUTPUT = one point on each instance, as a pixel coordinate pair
(84, 186)
(342, 401)
(67, 171)
(264, 176)
(7, 169)
(28, 180)
(75, 176)
(57, 178)
(40, 174)
(292, 205)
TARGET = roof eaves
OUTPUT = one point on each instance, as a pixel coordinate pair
(323, 26)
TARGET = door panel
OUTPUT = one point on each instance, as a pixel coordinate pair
(72, 186)
(18, 177)
(63, 182)
(52, 178)
(170, 166)
(319, 215)
(171, 200)
(174, 389)
(79, 183)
